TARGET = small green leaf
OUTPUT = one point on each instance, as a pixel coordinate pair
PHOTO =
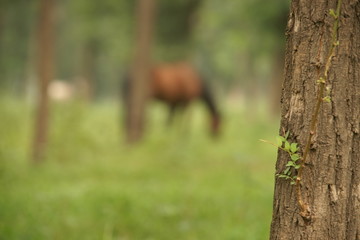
(292, 182)
(290, 164)
(295, 157)
(287, 171)
(320, 80)
(297, 166)
(279, 141)
(283, 176)
(287, 135)
(287, 146)
(293, 147)
(332, 13)
(327, 99)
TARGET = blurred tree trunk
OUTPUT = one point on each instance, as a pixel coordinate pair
(85, 84)
(45, 67)
(138, 84)
(2, 20)
(30, 71)
(330, 179)
(2, 59)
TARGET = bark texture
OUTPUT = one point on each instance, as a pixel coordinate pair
(331, 176)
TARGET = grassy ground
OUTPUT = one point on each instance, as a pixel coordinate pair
(177, 184)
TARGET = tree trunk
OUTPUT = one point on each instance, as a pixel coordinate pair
(45, 74)
(330, 181)
(85, 83)
(140, 71)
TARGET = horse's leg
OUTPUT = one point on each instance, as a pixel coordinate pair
(185, 119)
(172, 110)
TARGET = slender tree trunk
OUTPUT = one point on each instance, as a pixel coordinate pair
(2, 21)
(330, 180)
(140, 71)
(85, 84)
(30, 63)
(45, 74)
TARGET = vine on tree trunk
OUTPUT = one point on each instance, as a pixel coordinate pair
(322, 81)
(295, 166)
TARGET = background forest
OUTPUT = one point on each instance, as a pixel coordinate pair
(177, 183)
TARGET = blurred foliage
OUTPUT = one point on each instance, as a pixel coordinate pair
(237, 40)
(176, 20)
(174, 32)
(232, 41)
(92, 187)
(177, 184)
(15, 34)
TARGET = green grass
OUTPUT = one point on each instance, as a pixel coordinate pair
(176, 184)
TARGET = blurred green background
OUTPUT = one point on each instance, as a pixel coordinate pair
(178, 183)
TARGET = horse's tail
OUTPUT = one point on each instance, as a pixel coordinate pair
(209, 100)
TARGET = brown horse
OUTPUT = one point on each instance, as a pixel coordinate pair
(179, 84)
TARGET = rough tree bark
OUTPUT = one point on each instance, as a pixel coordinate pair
(45, 67)
(140, 71)
(330, 183)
